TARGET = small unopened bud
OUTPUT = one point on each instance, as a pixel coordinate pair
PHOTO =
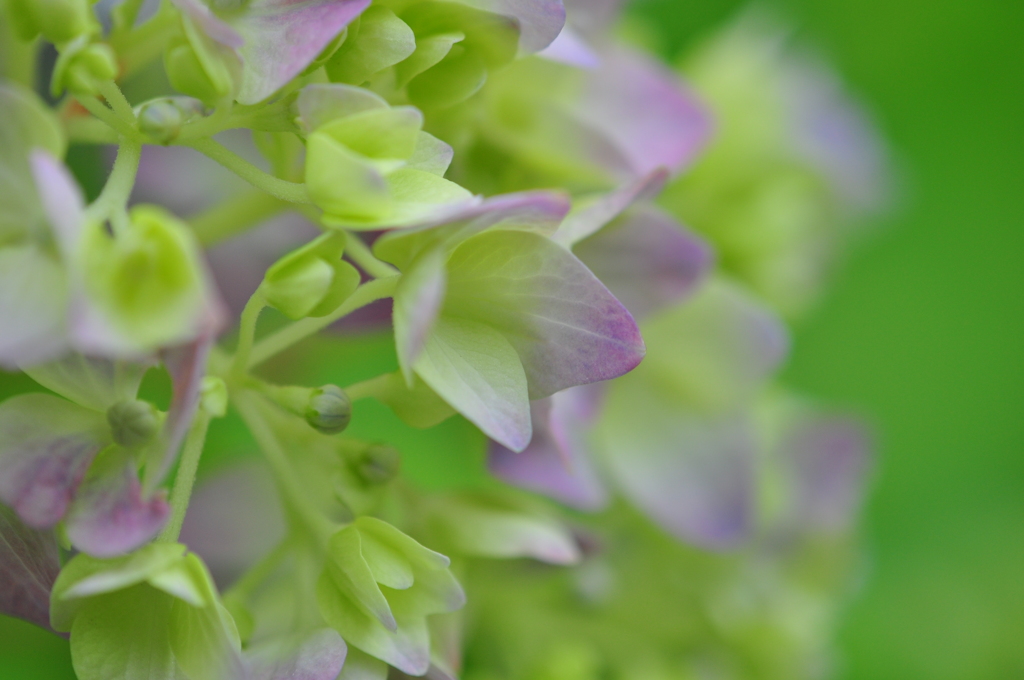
(161, 119)
(329, 410)
(82, 66)
(133, 423)
(377, 464)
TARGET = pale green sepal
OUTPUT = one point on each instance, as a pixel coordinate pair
(82, 66)
(382, 40)
(429, 52)
(351, 574)
(476, 370)
(124, 636)
(320, 103)
(204, 638)
(460, 75)
(380, 134)
(86, 576)
(417, 302)
(420, 193)
(431, 155)
(343, 183)
(305, 279)
(184, 581)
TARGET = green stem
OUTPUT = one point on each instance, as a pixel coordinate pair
(272, 345)
(284, 190)
(235, 216)
(360, 253)
(292, 494)
(118, 102)
(247, 334)
(374, 387)
(100, 110)
(113, 200)
(186, 477)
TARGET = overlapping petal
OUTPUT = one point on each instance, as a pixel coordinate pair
(29, 563)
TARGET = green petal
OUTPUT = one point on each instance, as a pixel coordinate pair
(382, 40)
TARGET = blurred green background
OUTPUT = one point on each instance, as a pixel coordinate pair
(923, 331)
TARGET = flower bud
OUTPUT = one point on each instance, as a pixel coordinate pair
(59, 21)
(161, 119)
(310, 281)
(377, 464)
(187, 75)
(213, 396)
(133, 423)
(82, 67)
(329, 409)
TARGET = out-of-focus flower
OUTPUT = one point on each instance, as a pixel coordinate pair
(793, 160)
(29, 564)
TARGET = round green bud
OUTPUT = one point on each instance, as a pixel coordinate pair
(329, 409)
(161, 119)
(86, 69)
(377, 464)
(133, 423)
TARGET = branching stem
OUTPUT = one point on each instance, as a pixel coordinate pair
(279, 188)
(186, 477)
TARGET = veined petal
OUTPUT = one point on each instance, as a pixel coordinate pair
(283, 37)
(320, 103)
(46, 445)
(475, 369)
(589, 217)
(570, 48)
(558, 461)
(29, 564)
(648, 260)
(109, 515)
(566, 326)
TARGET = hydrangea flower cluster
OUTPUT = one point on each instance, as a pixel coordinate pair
(581, 263)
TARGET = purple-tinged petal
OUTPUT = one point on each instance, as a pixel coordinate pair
(283, 37)
(558, 461)
(109, 515)
(648, 260)
(592, 216)
(566, 326)
(540, 21)
(827, 458)
(715, 352)
(645, 111)
(61, 198)
(209, 23)
(536, 211)
(569, 48)
(418, 299)
(692, 474)
(592, 17)
(91, 382)
(46, 445)
(319, 655)
(29, 564)
(187, 366)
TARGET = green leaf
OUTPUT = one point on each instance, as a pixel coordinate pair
(477, 371)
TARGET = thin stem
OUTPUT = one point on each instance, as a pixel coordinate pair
(247, 333)
(272, 345)
(116, 192)
(118, 102)
(284, 190)
(186, 477)
(235, 216)
(360, 253)
(249, 406)
(100, 110)
(368, 388)
(260, 572)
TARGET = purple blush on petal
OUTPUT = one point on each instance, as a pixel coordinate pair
(540, 21)
(209, 23)
(645, 110)
(29, 564)
(569, 48)
(318, 656)
(109, 515)
(557, 461)
(283, 37)
(187, 366)
(648, 260)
